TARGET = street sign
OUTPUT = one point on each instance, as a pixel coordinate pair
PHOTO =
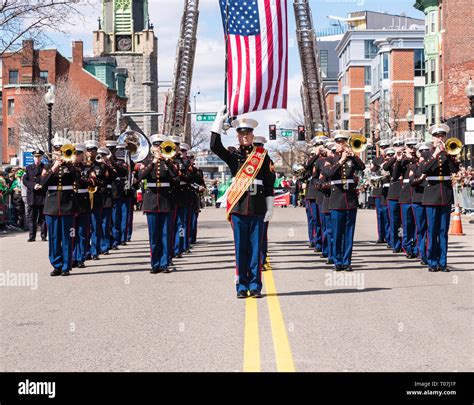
(205, 117)
(286, 133)
(469, 138)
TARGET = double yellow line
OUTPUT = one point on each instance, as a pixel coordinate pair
(281, 345)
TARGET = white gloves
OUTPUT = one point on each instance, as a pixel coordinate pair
(269, 213)
(219, 121)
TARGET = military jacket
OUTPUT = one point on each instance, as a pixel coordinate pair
(395, 180)
(33, 176)
(60, 196)
(439, 189)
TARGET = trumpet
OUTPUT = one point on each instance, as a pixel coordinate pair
(453, 146)
(168, 149)
(357, 143)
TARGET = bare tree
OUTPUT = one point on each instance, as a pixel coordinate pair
(200, 135)
(71, 112)
(388, 112)
(32, 19)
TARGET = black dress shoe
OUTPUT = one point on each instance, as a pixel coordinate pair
(310, 245)
(95, 257)
(155, 270)
(65, 273)
(31, 240)
(444, 269)
(179, 256)
(423, 262)
(317, 250)
(411, 256)
(166, 270)
(255, 294)
(339, 267)
(74, 264)
(188, 251)
(88, 256)
(124, 243)
(242, 294)
(106, 253)
(115, 248)
(348, 268)
(55, 272)
(81, 265)
(323, 256)
(433, 269)
(396, 250)
(44, 239)
(378, 242)
(388, 246)
(329, 261)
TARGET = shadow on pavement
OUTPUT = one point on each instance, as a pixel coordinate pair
(323, 292)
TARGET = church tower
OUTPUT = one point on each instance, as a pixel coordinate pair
(126, 34)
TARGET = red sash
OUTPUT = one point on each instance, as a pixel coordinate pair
(245, 177)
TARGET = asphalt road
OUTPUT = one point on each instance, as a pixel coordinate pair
(392, 315)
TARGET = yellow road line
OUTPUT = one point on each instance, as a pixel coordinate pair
(251, 337)
(284, 358)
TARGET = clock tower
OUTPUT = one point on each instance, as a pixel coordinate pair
(126, 34)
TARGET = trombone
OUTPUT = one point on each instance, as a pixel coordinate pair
(453, 146)
(357, 143)
(168, 149)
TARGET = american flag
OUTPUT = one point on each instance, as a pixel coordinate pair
(257, 77)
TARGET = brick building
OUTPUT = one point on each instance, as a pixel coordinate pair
(376, 67)
(28, 69)
(449, 56)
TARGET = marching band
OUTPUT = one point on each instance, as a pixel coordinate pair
(89, 191)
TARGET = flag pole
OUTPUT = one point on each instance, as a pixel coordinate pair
(226, 49)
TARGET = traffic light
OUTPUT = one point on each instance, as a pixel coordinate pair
(370, 152)
(301, 133)
(272, 129)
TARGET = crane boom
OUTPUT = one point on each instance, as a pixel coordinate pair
(177, 101)
(314, 103)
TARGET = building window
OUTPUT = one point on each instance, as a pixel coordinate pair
(366, 102)
(13, 77)
(345, 125)
(432, 70)
(440, 64)
(419, 62)
(367, 128)
(419, 100)
(433, 21)
(370, 50)
(43, 76)
(323, 61)
(11, 136)
(367, 76)
(420, 128)
(11, 107)
(433, 115)
(94, 106)
(385, 65)
(345, 100)
(338, 110)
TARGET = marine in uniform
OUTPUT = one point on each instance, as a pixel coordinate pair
(418, 183)
(249, 200)
(158, 205)
(260, 141)
(438, 197)
(35, 196)
(393, 196)
(197, 187)
(343, 201)
(59, 208)
(313, 196)
(383, 225)
(83, 213)
(403, 166)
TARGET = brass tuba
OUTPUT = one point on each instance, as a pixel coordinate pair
(136, 144)
(453, 146)
(168, 149)
(357, 143)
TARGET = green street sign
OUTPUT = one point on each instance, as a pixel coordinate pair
(205, 117)
(286, 133)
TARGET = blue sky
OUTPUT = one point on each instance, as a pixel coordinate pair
(209, 62)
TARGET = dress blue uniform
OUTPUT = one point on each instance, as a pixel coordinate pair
(393, 205)
(59, 209)
(250, 212)
(437, 199)
(120, 206)
(158, 205)
(343, 204)
(35, 198)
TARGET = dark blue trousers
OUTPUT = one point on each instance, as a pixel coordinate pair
(383, 224)
(419, 214)
(265, 242)
(61, 234)
(187, 237)
(194, 222)
(180, 230)
(121, 214)
(248, 237)
(395, 224)
(327, 237)
(314, 224)
(158, 232)
(343, 227)
(116, 222)
(438, 217)
(96, 231)
(408, 225)
(82, 224)
(106, 220)
(129, 228)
